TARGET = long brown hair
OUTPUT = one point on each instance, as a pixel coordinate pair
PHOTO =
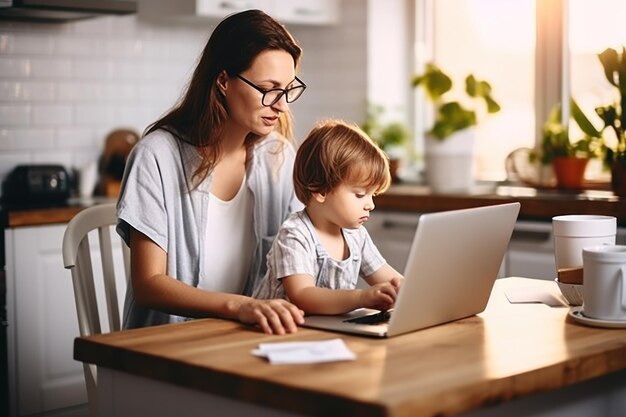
(200, 115)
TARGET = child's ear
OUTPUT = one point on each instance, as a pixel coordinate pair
(319, 197)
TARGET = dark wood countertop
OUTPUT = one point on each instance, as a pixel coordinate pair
(22, 216)
(535, 204)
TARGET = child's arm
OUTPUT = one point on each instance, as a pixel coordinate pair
(302, 292)
(385, 274)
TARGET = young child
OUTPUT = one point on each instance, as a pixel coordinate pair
(320, 252)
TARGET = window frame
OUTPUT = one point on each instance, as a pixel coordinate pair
(552, 81)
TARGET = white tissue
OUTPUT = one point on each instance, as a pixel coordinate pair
(305, 352)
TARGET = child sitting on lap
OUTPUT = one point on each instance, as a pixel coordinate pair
(321, 251)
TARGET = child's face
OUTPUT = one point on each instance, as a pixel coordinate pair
(349, 206)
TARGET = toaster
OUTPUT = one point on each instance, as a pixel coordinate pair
(36, 184)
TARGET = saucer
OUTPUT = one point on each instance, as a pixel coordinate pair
(577, 314)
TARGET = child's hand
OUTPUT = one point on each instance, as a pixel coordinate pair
(379, 296)
(397, 283)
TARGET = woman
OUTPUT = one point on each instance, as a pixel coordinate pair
(206, 189)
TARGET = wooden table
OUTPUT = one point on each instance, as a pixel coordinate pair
(507, 352)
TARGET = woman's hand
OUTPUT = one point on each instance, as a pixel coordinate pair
(273, 316)
(380, 296)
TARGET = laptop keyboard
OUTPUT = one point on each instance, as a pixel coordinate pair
(376, 318)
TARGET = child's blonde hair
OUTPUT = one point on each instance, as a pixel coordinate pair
(337, 152)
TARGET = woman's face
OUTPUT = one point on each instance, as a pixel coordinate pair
(270, 69)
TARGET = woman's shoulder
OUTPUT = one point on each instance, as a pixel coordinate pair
(163, 147)
(157, 140)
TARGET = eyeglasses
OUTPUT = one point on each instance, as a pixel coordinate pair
(273, 95)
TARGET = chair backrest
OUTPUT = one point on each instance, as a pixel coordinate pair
(90, 295)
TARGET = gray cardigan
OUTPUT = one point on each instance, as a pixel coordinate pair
(155, 200)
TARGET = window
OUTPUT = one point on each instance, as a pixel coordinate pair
(518, 47)
(593, 27)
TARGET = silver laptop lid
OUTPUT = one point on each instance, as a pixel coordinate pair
(453, 263)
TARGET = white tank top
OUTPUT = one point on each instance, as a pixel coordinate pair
(229, 242)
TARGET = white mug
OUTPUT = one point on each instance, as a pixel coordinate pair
(574, 232)
(604, 282)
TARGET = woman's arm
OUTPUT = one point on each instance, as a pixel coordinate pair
(156, 290)
(302, 291)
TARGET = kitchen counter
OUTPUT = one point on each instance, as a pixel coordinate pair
(536, 204)
(20, 216)
(512, 359)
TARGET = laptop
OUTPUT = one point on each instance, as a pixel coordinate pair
(453, 263)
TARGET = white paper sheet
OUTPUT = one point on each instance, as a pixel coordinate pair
(305, 352)
(535, 295)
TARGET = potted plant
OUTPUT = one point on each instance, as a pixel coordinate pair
(390, 137)
(452, 116)
(614, 116)
(449, 142)
(568, 158)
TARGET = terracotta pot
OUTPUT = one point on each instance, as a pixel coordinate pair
(618, 178)
(569, 171)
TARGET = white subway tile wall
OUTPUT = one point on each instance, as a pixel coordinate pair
(64, 87)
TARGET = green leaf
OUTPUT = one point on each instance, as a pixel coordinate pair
(470, 86)
(394, 134)
(608, 114)
(492, 106)
(434, 82)
(610, 63)
(582, 121)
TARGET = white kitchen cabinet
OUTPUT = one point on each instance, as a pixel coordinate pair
(305, 12)
(531, 251)
(219, 9)
(42, 324)
(319, 12)
(393, 232)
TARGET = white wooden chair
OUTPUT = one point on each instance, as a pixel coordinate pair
(96, 298)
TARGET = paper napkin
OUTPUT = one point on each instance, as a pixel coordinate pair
(534, 295)
(305, 352)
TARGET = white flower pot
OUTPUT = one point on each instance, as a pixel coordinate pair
(449, 164)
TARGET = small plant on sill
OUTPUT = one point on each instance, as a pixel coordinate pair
(555, 141)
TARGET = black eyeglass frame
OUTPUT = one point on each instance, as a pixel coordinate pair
(283, 91)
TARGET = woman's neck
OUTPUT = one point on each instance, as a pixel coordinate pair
(234, 138)
(230, 169)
